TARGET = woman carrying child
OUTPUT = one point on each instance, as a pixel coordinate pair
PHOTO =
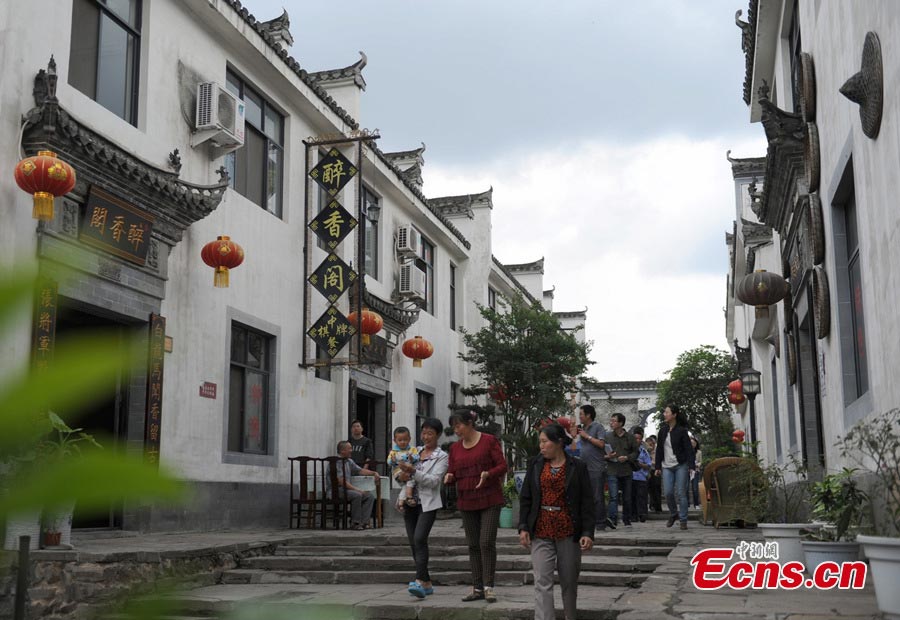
(427, 475)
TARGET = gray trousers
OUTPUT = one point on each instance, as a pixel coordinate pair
(361, 505)
(565, 557)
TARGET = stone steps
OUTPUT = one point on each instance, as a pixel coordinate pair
(439, 577)
(444, 550)
(621, 537)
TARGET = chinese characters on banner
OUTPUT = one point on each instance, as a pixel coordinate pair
(333, 277)
(116, 227)
(44, 324)
(153, 417)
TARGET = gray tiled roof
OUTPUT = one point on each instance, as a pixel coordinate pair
(292, 63)
(537, 265)
(512, 277)
(414, 153)
(353, 71)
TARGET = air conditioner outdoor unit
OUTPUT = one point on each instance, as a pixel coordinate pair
(412, 281)
(409, 240)
(219, 118)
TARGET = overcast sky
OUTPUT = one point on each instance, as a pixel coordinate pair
(602, 127)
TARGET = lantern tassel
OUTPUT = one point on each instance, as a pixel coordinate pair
(43, 206)
(417, 363)
(221, 278)
(366, 340)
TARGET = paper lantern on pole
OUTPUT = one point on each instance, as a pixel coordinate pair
(371, 324)
(45, 177)
(418, 349)
(222, 254)
(738, 436)
(736, 398)
(736, 387)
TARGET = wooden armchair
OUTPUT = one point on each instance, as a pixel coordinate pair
(315, 495)
(730, 490)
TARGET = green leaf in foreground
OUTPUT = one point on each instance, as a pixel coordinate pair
(93, 480)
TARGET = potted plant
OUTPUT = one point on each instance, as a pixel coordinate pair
(62, 443)
(875, 446)
(785, 507)
(510, 495)
(840, 504)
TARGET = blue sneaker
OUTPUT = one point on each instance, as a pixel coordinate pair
(417, 590)
(429, 590)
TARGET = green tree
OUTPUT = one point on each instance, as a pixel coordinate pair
(699, 385)
(528, 365)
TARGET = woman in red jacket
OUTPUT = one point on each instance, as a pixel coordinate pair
(477, 467)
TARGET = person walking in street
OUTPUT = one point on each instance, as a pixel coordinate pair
(593, 453)
(477, 467)
(695, 472)
(639, 477)
(427, 474)
(673, 457)
(361, 502)
(363, 450)
(654, 482)
(556, 520)
(623, 453)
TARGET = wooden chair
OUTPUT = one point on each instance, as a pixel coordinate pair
(334, 503)
(307, 492)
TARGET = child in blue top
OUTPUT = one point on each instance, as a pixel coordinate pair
(403, 453)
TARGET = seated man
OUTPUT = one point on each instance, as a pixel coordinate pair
(361, 502)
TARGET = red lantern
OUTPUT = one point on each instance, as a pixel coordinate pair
(736, 387)
(738, 436)
(736, 399)
(371, 324)
(45, 177)
(222, 254)
(418, 349)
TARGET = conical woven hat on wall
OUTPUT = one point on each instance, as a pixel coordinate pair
(866, 87)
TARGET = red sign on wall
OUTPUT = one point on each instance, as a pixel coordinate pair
(208, 390)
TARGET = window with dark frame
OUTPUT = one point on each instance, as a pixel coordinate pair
(425, 261)
(104, 57)
(492, 299)
(371, 200)
(249, 388)
(424, 409)
(452, 296)
(856, 299)
(454, 393)
(256, 169)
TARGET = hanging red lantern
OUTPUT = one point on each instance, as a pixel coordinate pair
(418, 349)
(44, 176)
(738, 436)
(736, 387)
(222, 254)
(736, 399)
(371, 324)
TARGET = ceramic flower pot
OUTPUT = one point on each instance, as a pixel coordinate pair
(884, 566)
(787, 535)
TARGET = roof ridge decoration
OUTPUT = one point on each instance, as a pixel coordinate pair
(518, 284)
(176, 203)
(353, 71)
(785, 163)
(746, 166)
(417, 192)
(755, 232)
(280, 28)
(413, 153)
(748, 44)
(292, 63)
(462, 204)
(622, 385)
(537, 265)
(401, 317)
(571, 313)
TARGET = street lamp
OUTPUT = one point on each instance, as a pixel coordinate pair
(751, 387)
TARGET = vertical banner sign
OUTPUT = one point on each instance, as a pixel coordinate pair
(153, 417)
(44, 324)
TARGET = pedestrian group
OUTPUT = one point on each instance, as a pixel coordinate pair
(562, 500)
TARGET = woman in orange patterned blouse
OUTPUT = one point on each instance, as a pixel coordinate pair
(556, 520)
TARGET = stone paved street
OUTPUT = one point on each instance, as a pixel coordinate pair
(231, 589)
